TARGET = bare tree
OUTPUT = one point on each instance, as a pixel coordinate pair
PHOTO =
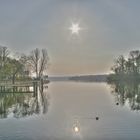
(24, 61)
(38, 61)
(43, 62)
(119, 67)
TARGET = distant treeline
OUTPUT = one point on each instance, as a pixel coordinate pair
(89, 78)
(21, 67)
(126, 69)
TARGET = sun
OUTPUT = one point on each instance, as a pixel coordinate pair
(75, 28)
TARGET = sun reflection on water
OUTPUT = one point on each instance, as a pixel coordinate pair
(76, 127)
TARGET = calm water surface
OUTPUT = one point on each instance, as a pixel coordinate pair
(68, 111)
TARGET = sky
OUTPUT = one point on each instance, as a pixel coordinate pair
(109, 28)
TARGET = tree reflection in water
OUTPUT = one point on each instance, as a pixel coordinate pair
(127, 93)
(23, 104)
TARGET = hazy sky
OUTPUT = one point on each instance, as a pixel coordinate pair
(110, 28)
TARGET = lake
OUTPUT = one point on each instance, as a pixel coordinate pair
(71, 111)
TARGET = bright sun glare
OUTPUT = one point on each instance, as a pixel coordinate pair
(75, 28)
(76, 129)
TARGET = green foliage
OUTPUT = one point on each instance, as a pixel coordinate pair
(126, 69)
(125, 80)
(21, 67)
(10, 68)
